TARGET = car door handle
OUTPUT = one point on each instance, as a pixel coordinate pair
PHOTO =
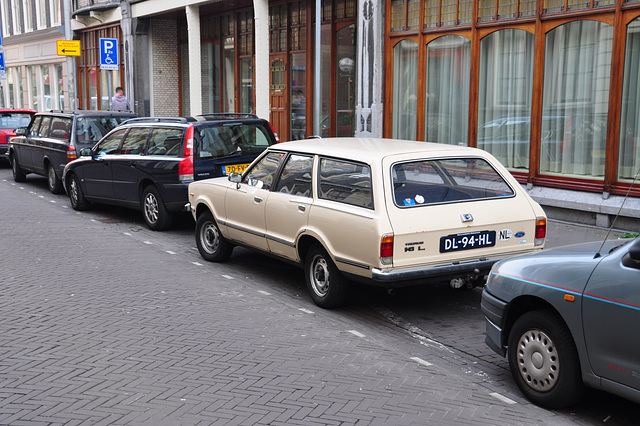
(258, 199)
(302, 207)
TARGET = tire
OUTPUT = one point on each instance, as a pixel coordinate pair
(54, 182)
(76, 196)
(18, 174)
(154, 211)
(212, 246)
(326, 284)
(544, 361)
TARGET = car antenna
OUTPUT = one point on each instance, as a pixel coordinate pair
(617, 214)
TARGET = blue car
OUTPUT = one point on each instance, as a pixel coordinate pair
(568, 317)
(148, 163)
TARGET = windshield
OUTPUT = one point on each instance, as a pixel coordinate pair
(425, 182)
(13, 120)
(90, 130)
(220, 140)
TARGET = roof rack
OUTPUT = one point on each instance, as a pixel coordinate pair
(156, 120)
(225, 115)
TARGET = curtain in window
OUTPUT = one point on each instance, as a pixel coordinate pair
(405, 90)
(504, 96)
(575, 99)
(446, 117)
(629, 154)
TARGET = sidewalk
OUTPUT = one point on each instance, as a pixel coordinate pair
(560, 233)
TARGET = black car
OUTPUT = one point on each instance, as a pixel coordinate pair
(55, 138)
(148, 163)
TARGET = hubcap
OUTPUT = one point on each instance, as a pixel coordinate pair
(538, 361)
(151, 208)
(210, 238)
(73, 190)
(320, 277)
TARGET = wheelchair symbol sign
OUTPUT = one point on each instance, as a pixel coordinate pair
(109, 54)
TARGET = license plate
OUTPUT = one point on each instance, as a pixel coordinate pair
(235, 168)
(471, 240)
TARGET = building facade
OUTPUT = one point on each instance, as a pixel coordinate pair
(36, 77)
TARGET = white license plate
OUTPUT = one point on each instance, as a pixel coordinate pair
(468, 241)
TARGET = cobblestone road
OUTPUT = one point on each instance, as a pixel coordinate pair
(106, 322)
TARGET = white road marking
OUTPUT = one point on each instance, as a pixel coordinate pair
(197, 263)
(306, 311)
(502, 398)
(171, 252)
(148, 242)
(227, 277)
(356, 333)
(421, 361)
(266, 293)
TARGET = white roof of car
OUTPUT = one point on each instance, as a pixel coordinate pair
(373, 148)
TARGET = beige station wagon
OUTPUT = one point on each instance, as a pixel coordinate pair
(386, 212)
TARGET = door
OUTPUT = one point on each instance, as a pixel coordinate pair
(96, 174)
(246, 205)
(611, 312)
(288, 206)
(279, 94)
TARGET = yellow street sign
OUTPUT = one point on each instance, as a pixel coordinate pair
(68, 47)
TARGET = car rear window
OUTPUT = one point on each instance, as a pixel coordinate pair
(427, 182)
(13, 120)
(219, 140)
(90, 130)
(346, 182)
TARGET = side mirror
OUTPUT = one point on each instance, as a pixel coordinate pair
(21, 131)
(85, 152)
(634, 250)
(235, 177)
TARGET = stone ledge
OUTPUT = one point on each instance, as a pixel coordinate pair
(588, 208)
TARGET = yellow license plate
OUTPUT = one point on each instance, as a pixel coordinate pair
(235, 168)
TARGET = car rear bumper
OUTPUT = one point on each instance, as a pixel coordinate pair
(494, 313)
(476, 267)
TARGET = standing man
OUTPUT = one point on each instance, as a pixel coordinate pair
(120, 102)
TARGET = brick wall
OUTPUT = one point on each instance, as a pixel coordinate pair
(166, 90)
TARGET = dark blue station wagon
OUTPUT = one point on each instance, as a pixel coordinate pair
(147, 163)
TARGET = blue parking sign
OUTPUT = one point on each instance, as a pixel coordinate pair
(109, 54)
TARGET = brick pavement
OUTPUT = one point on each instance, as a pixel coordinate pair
(106, 323)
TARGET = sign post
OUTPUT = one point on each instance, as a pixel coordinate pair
(109, 54)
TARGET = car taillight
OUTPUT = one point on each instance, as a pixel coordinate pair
(274, 132)
(386, 249)
(71, 153)
(185, 168)
(541, 231)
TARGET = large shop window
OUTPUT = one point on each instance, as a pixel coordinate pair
(405, 90)
(575, 99)
(629, 154)
(446, 111)
(504, 96)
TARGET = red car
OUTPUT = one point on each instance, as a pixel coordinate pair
(10, 120)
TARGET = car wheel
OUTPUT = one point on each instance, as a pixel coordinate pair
(155, 213)
(18, 174)
(76, 196)
(544, 361)
(54, 182)
(325, 283)
(211, 244)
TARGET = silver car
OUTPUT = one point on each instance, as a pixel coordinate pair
(566, 318)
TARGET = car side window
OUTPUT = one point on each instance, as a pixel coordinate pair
(345, 181)
(111, 143)
(261, 174)
(33, 130)
(296, 176)
(60, 128)
(135, 141)
(167, 142)
(43, 130)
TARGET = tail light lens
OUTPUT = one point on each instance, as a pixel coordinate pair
(541, 231)
(274, 132)
(386, 249)
(71, 153)
(185, 168)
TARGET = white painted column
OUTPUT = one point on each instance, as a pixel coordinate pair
(195, 72)
(370, 63)
(261, 40)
